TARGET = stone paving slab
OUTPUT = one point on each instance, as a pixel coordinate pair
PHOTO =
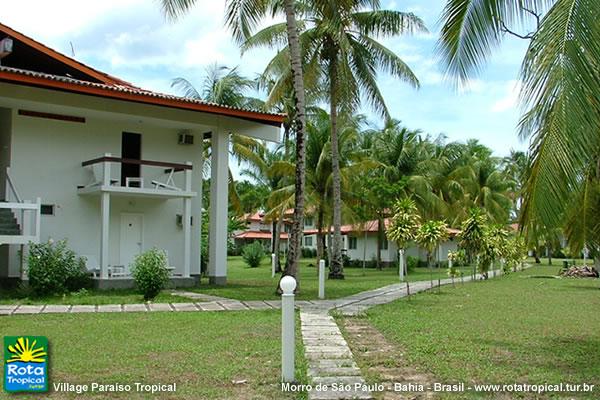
(184, 306)
(233, 305)
(110, 308)
(274, 303)
(160, 307)
(211, 306)
(27, 309)
(257, 305)
(198, 296)
(83, 309)
(52, 309)
(134, 308)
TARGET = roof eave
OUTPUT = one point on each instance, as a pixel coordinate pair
(41, 82)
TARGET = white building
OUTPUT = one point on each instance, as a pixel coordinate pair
(112, 168)
(359, 241)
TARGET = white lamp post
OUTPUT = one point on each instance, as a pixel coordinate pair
(321, 279)
(272, 265)
(288, 340)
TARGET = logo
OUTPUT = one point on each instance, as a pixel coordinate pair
(25, 364)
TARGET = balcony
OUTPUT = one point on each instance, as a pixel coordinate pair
(156, 182)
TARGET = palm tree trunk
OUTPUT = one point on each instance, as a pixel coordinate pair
(336, 269)
(276, 241)
(320, 236)
(291, 267)
(379, 241)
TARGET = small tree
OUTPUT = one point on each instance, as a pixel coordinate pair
(430, 235)
(403, 227)
(253, 254)
(150, 272)
(472, 235)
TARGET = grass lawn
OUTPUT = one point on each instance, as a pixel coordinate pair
(521, 328)
(204, 353)
(246, 283)
(91, 297)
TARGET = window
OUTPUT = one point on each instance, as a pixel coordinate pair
(308, 241)
(384, 244)
(308, 221)
(47, 209)
(352, 242)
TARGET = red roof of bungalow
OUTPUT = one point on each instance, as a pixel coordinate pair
(369, 226)
(89, 81)
(259, 235)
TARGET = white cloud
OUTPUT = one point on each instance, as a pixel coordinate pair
(510, 99)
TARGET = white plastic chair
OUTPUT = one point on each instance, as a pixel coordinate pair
(169, 184)
(92, 265)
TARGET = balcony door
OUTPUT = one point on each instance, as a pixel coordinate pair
(131, 148)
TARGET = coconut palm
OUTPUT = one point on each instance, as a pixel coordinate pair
(271, 172)
(242, 17)
(223, 85)
(338, 39)
(560, 90)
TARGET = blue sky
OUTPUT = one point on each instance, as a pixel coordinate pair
(132, 40)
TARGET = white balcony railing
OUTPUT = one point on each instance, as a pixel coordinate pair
(26, 212)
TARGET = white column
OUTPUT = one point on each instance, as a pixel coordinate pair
(187, 224)
(105, 220)
(217, 247)
(104, 237)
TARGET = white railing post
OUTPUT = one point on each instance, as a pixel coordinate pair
(272, 265)
(401, 264)
(188, 178)
(321, 279)
(288, 334)
(106, 171)
(26, 224)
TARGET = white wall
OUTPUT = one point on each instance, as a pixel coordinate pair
(391, 254)
(46, 163)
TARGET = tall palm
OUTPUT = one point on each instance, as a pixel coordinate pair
(242, 17)
(223, 85)
(272, 172)
(340, 38)
(561, 87)
(485, 187)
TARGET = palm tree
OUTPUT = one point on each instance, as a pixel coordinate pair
(223, 85)
(403, 227)
(560, 91)
(242, 17)
(271, 172)
(339, 36)
(429, 236)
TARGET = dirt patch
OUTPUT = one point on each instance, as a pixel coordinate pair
(383, 363)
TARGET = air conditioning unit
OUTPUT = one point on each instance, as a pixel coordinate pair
(6, 47)
(185, 138)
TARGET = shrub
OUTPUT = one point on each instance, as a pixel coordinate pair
(55, 269)
(253, 254)
(411, 263)
(150, 272)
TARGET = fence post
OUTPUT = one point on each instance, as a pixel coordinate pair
(288, 339)
(321, 279)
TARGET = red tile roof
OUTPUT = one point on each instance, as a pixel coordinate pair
(369, 226)
(259, 235)
(115, 88)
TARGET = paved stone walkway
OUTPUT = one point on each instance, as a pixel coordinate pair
(329, 358)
